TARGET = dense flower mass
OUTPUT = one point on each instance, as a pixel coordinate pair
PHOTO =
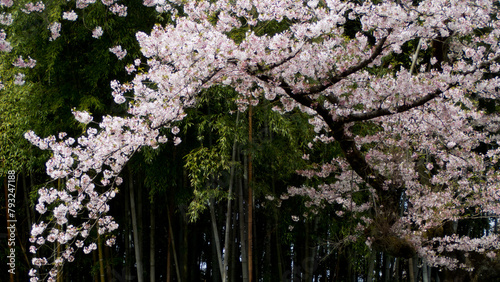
(425, 148)
(21, 63)
(4, 44)
(55, 29)
(19, 79)
(82, 4)
(70, 16)
(97, 32)
(82, 117)
(6, 19)
(6, 3)
(119, 10)
(119, 52)
(33, 7)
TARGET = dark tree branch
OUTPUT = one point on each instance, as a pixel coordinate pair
(347, 143)
(261, 68)
(385, 112)
(332, 81)
(353, 156)
(277, 64)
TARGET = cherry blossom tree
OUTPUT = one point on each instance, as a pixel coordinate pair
(430, 161)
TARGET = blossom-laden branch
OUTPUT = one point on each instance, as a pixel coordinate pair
(351, 70)
(384, 112)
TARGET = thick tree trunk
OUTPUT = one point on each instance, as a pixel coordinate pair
(135, 228)
(388, 194)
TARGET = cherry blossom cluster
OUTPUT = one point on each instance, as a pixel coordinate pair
(33, 7)
(55, 29)
(82, 4)
(70, 16)
(19, 79)
(118, 51)
(4, 44)
(90, 178)
(437, 255)
(119, 10)
(6, 3)
(21, 63)
(6, 19)
(97, 32)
